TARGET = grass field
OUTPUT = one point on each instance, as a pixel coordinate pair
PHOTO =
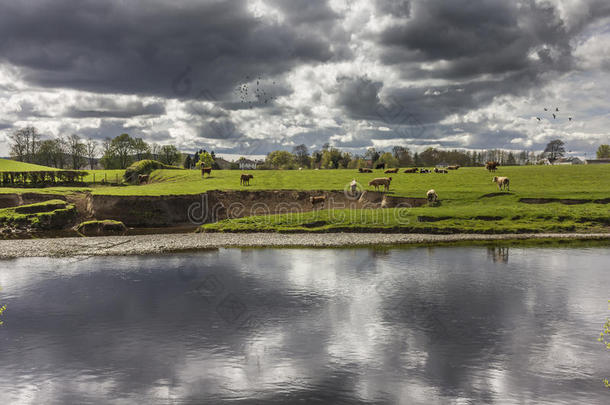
(465, 206)
(12, 165)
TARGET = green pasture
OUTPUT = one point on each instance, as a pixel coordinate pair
(14, 166)
(470, 201)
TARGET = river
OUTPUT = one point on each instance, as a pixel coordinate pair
(263, 326)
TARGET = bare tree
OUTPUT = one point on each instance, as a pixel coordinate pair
(91, 147)
(25, 143)
(77, 151)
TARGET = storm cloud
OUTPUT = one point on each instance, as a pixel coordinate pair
(276, 73)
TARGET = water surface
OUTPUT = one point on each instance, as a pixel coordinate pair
(259, 326)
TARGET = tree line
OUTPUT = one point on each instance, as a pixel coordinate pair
(74, 152)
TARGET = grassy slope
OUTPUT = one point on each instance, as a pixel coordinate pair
(461, 193)
(12, 165)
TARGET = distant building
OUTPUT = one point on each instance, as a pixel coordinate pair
(597, 161)
(568, 161)
(247, 164)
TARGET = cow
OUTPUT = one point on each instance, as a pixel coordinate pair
(391, 171)
(205, 170)
(502, 182)
(437, 170)
(431, 196)
(411, 170)
(315, 200)
(492, 166)
(365, 170)
(381, 181)
(454, 167)
(245, 179)
(143, 178)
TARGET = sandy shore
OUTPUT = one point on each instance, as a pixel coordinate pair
(166, 243)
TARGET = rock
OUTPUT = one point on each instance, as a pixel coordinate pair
(106, 227)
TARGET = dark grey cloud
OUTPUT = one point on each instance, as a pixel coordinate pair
(143, 47)
(108, 108)
(445, 58)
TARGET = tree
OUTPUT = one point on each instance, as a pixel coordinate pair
(77, 151)
(302, 155)
(141, 149)
(388, 159)
(118, 152)
(372, 155)
(403, 155)
(188, 162)
(510, 160)
(91, 147)
(169, 155)
(331, 158)
(122, 148)
(206, 159)
(281, 159)
(603, 152)
(554, 150)
(24, 144)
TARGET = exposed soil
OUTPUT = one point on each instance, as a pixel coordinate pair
(218, 205)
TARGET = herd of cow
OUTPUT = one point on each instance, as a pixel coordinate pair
(492, 166)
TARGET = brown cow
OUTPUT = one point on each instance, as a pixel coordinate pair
(205, 170)
(502, 182)
(245, 179)
(381, 181)
(365, 170)
(321, 199)
(411, 170)
(454, 167)
(492, 165)
(143, 178)
(391, 171)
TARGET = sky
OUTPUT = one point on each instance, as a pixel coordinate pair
(247, 77)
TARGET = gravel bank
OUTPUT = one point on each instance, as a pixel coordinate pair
(152, 244)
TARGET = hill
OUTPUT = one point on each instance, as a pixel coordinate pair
(15, 166)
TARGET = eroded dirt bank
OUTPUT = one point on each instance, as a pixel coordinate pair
(218, 205)
(155, 244)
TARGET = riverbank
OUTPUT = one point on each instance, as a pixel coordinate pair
(156, 244)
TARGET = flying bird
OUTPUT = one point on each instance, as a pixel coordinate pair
(557, 109)
(546, 109)
(538, 118)
(570, 118)
(554, 116)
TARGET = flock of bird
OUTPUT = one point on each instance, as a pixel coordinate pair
(260, 95)
(553, 113)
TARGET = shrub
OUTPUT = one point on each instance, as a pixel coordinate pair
(146, 166)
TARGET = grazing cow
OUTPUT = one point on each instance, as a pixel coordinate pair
(353, 186)
(502, 182)
(492, 165)
(365, 170)
(321, 199)
(205, 170)
(424, 171)
(411, 170)
(245, 179)
(391, 171)
(143, 178)
(454, 167)
(431, 196)
(381, 181)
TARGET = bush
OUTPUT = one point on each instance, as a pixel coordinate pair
(146, 166)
